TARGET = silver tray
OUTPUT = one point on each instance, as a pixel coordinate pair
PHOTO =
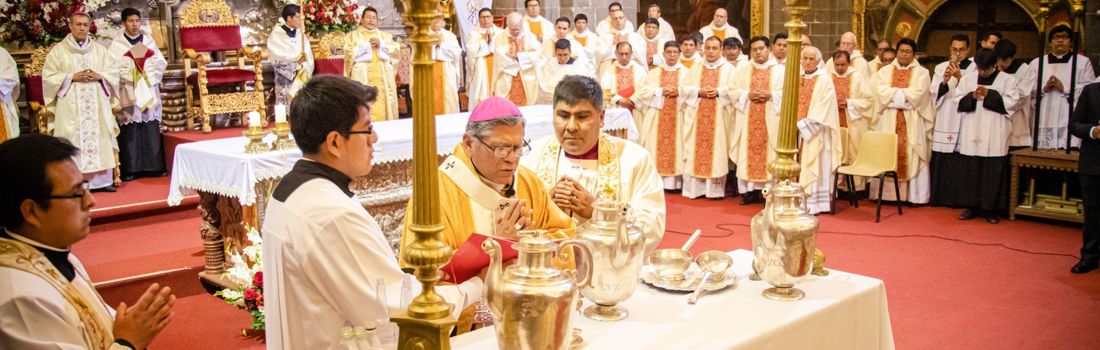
(688, 284)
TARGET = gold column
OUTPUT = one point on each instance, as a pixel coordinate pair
(784, 167)
(859, 7)
(428, 322)
(756, 18)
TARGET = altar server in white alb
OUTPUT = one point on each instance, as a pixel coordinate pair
(708, 121)
(446, 54)
(945, 160)
(986, 99)
(533, 22)
(1057, 71)
(665, 32)
(142, 68)
(1022, 118)
(324, 255)
(662, 120)
(906, 110)
(557, 67)
(604, 27)
(819, 151)
(579, 165)
(79, 79)
(47, 301)
(479, 57)
(290, 54)
(9, 92)
(515, 63)
(719, 26)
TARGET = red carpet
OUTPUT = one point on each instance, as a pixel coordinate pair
(138, 197)
(951, 284)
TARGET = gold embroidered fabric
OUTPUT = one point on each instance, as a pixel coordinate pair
(900, 79)
(705, 120)
(758, 127)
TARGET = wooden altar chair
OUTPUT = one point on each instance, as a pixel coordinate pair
(208, 27)
(329, 55)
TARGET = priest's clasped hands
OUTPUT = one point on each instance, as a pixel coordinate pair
(760, 97)
(573, 198)
(140, 323)
(708, 92)
(511, 219)
(86, 76)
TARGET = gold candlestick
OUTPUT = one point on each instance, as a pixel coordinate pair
(255, 135)
(282, 137)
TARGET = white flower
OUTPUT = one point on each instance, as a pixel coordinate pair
(231, 294)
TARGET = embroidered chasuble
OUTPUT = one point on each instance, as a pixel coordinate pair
(84, 311)
(704, 126)
(374, 67)
(842, 85)
(516, 78)
(624, 80)
(901, 79)
(661, 118)
(668, 127)
(805, 92)
(650, 50)
(819, 141)
(622, 171)
(758, 127)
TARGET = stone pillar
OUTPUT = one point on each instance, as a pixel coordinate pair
(824, 24)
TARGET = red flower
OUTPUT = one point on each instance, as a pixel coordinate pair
(258, 280)
(260, 302)
(251, 294)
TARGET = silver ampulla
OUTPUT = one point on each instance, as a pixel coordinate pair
(618, 250)
(783, 239)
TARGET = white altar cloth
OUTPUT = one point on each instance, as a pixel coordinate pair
(840, 311)
(222, 167)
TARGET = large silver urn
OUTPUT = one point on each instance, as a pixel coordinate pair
(783, 239)
(618, 250)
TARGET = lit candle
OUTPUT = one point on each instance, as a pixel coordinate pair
(253, 119)
(280, 113)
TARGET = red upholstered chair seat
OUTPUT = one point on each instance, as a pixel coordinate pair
(34, 89)
(223, 76)
(333, 66)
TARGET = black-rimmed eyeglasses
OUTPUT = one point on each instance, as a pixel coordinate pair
(504, 151)
(82, 194)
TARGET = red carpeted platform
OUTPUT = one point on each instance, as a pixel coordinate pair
(951, 284)
(173, 139)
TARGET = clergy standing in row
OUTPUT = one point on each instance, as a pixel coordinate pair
(820, 150)
(708, 120)
(731, 51)
(557, 67)
(650, 32)
(855, 104)
(665, 33)
(515, 63)
(533, 22)
(906, 110)
(605, 26)
(142, 69)
(662, 122)
(1057, 71)
(446, 54)
(618, 33)
(370, 57)
(479, 57)
(47, 300)
(757, 120)
(946, 161)
(1022, 118)
(689, 53)
(719, 26)
(324, 255)
(986, 100)
(579, 165)
(290, 54)
(9, 93)
(79, 78)
(779, 48)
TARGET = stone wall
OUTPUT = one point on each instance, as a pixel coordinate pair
(596, 10)
(824, 24)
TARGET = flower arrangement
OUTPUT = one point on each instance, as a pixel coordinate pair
(327, 16)
(249, 293)
(40, 23)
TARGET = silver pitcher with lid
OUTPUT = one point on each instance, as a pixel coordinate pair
(618, 251)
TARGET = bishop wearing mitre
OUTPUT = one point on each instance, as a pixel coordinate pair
(819, 151)
(479, 57)
(579, 165)
(79, 78)
(662, 120)
(708, 120)
(515, 63)
(757, 119)
(906, 110)
(142, 68)
(290, 54)
(370, 57)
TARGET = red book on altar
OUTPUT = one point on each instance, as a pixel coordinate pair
(469, 259)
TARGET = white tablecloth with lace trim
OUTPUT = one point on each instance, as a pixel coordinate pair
(221, 167)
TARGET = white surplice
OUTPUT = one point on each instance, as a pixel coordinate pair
(1023, 118)
(627, 172)
(945, 137)
(1055, 108)
(140, 99)
(82, 111)
(323, 257)
(36, 316)
(985, 132)
(9, 92)
(479, 63)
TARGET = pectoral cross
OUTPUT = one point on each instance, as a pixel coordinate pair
(449, 165)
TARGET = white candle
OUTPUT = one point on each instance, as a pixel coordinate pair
(280, 113)
(253, 118)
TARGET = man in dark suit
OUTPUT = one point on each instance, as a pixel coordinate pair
(1085, 124)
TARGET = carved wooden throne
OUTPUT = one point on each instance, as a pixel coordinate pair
(208, 27)
(329, 55)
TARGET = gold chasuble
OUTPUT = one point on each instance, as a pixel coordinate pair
(96, 321)
(608, 174)
(469, 204)
(374, 67)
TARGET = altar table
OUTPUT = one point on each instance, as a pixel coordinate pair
(840, 311)
(233, 186)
